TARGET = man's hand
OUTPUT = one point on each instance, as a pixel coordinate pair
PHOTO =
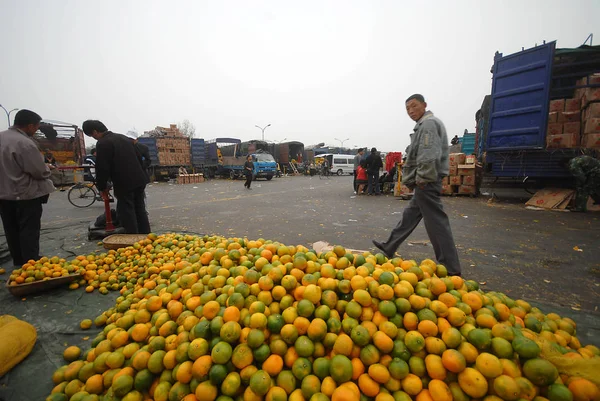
(105, 194)
(51, 166)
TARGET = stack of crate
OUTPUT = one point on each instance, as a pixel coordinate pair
(190, 178)
(574, 123)
(173, 151)
(463, 178)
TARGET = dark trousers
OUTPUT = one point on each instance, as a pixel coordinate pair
(354, 182)
(373, 177)
(22, 221)
(131, 211)
(248, 181)
(427, 205)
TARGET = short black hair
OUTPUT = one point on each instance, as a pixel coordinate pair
(25, 117)
(93, 125)
(417, 97)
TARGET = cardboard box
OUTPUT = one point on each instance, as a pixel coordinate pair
(447, 189)
(457, 158)
(590, 141)
(592, 110)
(562, 141)
(591, 94)
(554, 129)
(572, 105)
(453, 169)
(592, 126)
(552, 117)
(557, 105)
(466, 169)
(469, 180)
(569, 116)
(551, 198)
(470, 159)
(455, 180)
(467, 190)
(572, 128)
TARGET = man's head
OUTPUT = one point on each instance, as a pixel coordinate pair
(249, 158)
(94, 128)
(27, 121)
(416, 106)
(361, 151)
(374, 150)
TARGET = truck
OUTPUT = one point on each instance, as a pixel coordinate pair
(225, 157)
(512, 124)
(169, 151)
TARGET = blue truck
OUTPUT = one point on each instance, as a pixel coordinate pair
(224, 157)
(513, 121)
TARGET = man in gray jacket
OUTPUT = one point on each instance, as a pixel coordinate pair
(24, 187)
(426, 164)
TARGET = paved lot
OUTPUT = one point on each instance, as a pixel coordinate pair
(524, 253)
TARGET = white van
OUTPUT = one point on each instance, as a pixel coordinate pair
(340, 164)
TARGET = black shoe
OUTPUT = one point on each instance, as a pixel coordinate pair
(381, 247)
(249, 188)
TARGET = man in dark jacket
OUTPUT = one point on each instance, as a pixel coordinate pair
(374, 164)
(145, 152)
(426, 165)
(119, 161)
(586, 171)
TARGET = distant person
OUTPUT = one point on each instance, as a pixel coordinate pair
(248, 171)
(357, 159)
(455, 140)
(90, 163)
(361, 178)
(325, 167)
(24, 186)
(374, 164)
(119, 161)
(586, 171)
(49, 158)
(426, 165)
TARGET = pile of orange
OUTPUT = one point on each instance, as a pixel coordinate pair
(210, 318)
(43, 269)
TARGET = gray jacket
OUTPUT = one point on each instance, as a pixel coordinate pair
(427, 154)
(23, 173)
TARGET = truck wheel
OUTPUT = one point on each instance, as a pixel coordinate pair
(340, 172)
(269, 177)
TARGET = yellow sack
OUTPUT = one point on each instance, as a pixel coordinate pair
(17, 339)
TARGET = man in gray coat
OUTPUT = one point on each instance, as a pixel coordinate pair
(357, 160)
(24, 187)
(426, 165)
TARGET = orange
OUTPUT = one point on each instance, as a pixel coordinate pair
(412, 384)
(439, 391)
(454, 361)
(379, 373)
(427, 328)
(473, 383)
(368, 386)
(488, 365)
(584, 389)
(273, 365)
(435, 367)
(507, 388)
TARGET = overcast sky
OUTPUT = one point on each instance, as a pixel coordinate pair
(315, 70)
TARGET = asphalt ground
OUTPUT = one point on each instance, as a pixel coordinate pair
(502, 245)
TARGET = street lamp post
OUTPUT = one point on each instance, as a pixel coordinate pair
(342, 141)
(263, 130)
(8, 113)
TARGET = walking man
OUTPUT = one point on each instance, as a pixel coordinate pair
(118, 161)
(426, 165)
(357, 160)
(374, 164)
(24, 186)
(586, 171)
(248, 171)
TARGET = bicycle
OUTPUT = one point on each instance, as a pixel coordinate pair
(84, 194)
(323, 173)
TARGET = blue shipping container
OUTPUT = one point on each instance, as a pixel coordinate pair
(151, 144)
(198, 152)
(520, 97)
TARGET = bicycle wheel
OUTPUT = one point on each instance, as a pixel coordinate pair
(82, 195)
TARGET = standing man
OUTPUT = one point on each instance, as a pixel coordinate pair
(357, 160)
(119, 161)
(24, 186)
(586, 171)
(49, 158)
(374, 164)
(426, 165)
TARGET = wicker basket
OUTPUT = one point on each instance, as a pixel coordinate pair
(117, 241)
(20, 290)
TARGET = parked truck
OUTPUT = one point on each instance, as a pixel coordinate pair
(515, 138)
(226, 157)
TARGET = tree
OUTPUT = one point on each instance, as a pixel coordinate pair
(187, 128)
